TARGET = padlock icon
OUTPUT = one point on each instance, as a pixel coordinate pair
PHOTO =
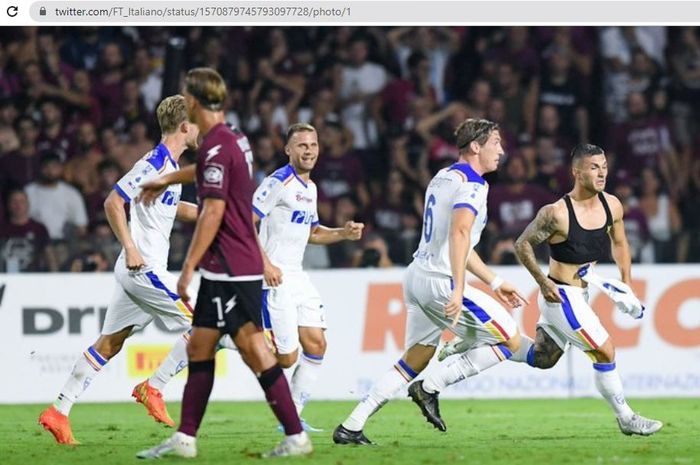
(42, 11)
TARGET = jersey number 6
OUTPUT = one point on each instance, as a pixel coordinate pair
(428, 218)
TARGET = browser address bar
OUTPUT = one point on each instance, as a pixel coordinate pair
(368, 12)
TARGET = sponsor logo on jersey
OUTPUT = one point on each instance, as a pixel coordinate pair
(302, 217)
(302, 198)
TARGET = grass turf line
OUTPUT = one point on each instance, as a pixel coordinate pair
(480, 432)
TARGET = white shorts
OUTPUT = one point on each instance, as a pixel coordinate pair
(573, 321)
(143, 295)
(285, 308)
(484, 321)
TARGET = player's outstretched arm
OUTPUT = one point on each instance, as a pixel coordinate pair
(152, 189)
(208, 224)
(459, 244)
(618, 240)
(323, 235)
(186, 212)
(116, 216)
(539, 230)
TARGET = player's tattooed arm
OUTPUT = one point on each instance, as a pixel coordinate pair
(539, 230)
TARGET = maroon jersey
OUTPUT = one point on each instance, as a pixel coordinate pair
(224, 171)
(22, 246)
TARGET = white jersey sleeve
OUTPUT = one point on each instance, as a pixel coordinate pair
(129, 186)
(470, 195)
(266, 196)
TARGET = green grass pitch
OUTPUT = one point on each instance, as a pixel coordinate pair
(480, 432)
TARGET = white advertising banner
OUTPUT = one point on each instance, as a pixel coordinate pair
(50, 319)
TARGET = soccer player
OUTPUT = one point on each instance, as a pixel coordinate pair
(226, 249)
(436, 294)
(144, 290)
(579, 229)
(285, 205)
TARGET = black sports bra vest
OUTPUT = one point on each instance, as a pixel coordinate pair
(583, 245)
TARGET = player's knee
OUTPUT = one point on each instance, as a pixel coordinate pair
(605, 353)
(513, 344)
(314, 345)
(288, 360)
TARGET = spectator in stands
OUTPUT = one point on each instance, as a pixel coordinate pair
(56, 204)
(560, 87)
(689, 250)
(399, 93)
(357, 84)
(436, 131)
(108, 85)
(53, 136)
(636, 226)
(396, 214)
(515, 203)
(410, 160)
(685, 85)
(373, 254)
(24, 243)
(148, 78)
(549, 125)
(133, 109)
(662, 215)
(266, 158)
(108, 173)
(507, 87)
(338, 172)
(644, 141)
(552, 173)
(81, 169)
(21, 167)
(346, 209)
(138, 143)
(617, 47)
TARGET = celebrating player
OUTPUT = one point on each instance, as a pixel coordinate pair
(435, 290)
(144, 290)
(579, 229)
(285, 203)
(225, 247)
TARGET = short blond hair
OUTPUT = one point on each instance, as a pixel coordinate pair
(299, 127)
(207, 86)
(171, 112)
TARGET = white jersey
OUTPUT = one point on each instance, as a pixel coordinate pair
(151, 225)
(287, 208)
(457, 186)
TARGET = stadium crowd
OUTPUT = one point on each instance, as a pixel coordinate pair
(77, 110)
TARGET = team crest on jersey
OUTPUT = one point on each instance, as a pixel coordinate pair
(213, 175)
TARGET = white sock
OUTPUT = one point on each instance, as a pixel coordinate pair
(468, 364)
(526, 352)
(173, 364)
(609, 384)
(86, 367)
(384, 389)
(304, 378)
